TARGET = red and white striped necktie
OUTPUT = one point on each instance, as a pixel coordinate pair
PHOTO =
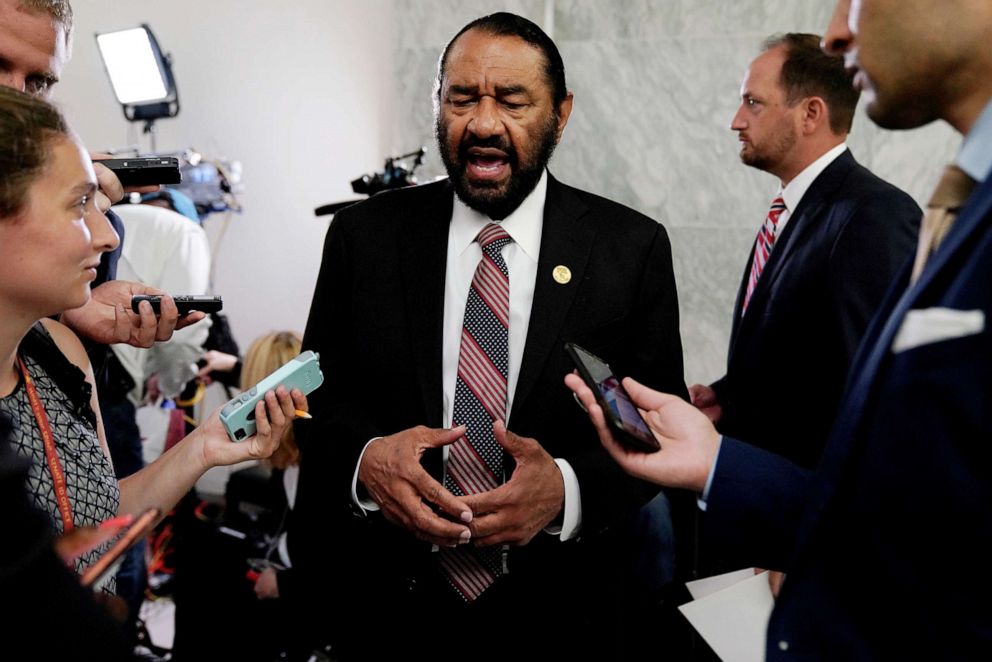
(475, 461)
(763, 247)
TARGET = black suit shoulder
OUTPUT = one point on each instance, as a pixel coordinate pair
(854, 194)
(622, 216)
(389, 209)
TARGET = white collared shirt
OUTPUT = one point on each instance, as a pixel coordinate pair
(525, 226)
(794, 191)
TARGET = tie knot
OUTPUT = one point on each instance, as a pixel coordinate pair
(492, 238)
(953, 190)
(778, 206)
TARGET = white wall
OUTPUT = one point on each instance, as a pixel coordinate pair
(297, 91)
(656, 83)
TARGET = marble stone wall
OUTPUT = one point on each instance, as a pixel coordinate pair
(656, 83)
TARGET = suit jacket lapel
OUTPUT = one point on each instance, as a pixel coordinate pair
(567, 239)
(801, 223)
(423, 255)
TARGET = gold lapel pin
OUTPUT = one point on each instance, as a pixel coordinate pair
(562, 274)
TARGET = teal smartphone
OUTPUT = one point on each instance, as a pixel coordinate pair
(238, 415)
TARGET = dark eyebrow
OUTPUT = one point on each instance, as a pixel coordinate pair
(463, 89)
(46, 77)
(510, 90)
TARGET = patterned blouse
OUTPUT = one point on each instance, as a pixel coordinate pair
(93, 489)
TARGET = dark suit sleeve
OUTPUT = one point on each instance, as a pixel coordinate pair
(874, 243)
(755, 505)
(335, 437)
(331, 441)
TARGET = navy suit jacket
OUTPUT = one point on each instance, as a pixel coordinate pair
(376, 320)
(832, 265)
(888, 545)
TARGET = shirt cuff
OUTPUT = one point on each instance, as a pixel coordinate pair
(701, 499)
(366, 504)
(572, 512)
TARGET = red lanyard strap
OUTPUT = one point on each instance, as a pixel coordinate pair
(51, 454)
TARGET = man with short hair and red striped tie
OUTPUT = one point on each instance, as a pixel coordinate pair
(441, 314)
(831, 242)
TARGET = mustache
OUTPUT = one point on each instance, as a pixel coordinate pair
(492, 142)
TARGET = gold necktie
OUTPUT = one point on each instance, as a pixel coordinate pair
(953, 190)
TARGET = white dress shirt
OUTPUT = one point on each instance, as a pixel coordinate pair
(794, 191)
(525, 226)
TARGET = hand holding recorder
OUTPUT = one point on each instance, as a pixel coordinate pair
(108, 317)
(116, 177)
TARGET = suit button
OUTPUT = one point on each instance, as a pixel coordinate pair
(411, 584)
(783, 645)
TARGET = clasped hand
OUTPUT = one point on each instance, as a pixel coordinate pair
(512, 513)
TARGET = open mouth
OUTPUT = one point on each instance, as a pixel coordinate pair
(487, 163)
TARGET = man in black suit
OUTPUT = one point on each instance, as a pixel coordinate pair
(888, 543)
(387, 319)
(836, 246)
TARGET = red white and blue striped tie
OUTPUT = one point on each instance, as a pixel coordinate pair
(763, 247)
(475, 461)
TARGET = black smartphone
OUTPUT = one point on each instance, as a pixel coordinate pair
(620, 411)
(140, 527)
(186, 303)
(145, 170)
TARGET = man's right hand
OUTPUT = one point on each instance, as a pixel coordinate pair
(391, 472)
(689, 442)
(704, 399)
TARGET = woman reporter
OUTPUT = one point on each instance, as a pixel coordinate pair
(51, 239)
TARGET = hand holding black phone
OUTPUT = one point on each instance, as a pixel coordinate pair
(620, 411)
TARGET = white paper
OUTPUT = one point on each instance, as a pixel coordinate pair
(734, 620)
(700, 588)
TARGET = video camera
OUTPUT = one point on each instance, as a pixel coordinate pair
(395, 174)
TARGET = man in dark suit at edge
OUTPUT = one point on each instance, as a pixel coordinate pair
(840, 237)
(888, 543)
(387, 319)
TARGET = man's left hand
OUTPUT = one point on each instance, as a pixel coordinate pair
(519, 509)
(107, 317)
